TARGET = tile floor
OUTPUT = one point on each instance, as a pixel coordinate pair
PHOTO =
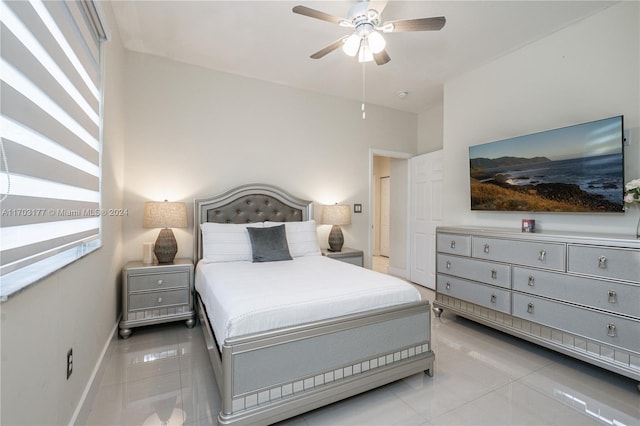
(161, 375)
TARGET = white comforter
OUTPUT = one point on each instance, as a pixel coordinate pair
(244, 297)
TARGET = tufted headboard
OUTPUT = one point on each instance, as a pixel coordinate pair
(248, 203)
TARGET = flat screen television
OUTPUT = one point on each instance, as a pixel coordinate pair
(572, 169)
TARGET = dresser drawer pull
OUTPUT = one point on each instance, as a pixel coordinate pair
(602, 262)
(486, 248)
(530, 308)
(448, 264)
(160, 282)
(448, 285)
(531, 281)
(494, 274)
(453, 244)
(613, 297)
(494, 298)
(542, 255)
(611, 330)
(159, 299)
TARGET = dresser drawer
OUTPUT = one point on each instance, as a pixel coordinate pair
(608, 262)
(158, 299)
(490, 297)
(616, 297)
(454, 244)
(158, 281)
(529, 253)
(607, 328)
(477, 270)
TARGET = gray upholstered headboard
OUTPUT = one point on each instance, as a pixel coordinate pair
(248, 203)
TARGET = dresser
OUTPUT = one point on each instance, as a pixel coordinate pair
(578, 294)
(157, 293)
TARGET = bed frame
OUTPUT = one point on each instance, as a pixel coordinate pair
(267, 377)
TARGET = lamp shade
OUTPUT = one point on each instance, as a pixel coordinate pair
(166, 215)
(338, 214)
(163, 214)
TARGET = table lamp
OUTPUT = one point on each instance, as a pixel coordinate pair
(165, 215)
(336, 215)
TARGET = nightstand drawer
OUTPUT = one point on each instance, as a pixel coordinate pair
(158, 299)
(158, 281)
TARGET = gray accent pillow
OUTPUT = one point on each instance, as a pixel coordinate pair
(269, 244)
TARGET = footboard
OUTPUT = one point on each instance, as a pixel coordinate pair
(271, 376)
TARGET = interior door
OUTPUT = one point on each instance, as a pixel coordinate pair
(425, 213)
(385, 215)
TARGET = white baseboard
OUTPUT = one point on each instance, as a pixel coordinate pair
(94, 373)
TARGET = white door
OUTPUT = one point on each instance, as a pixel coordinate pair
(425, 213)
(385, 215)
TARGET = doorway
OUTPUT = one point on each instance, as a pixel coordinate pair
(388, 234)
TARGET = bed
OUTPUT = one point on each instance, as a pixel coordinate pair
(299, 339)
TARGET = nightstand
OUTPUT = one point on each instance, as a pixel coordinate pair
(156, 293)
(348, 255)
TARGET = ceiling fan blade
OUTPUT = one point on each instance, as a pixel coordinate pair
(330, 48)
(312, 13)
(378, 5)
(381, 58)
(419, 24)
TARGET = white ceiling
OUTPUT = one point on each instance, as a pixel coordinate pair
(265, 40)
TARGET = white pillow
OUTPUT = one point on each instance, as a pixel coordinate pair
(301, 236)
(226, 242)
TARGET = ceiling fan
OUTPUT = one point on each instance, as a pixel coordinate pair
(366, 41)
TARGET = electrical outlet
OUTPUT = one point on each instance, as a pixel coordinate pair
(69, 363)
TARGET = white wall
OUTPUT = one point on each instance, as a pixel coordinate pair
(430, 128)
(585, 72)
(76, 307)
(193, 132)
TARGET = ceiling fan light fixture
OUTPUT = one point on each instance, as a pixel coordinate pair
(377, 43)
(351, 45)
(365, 54)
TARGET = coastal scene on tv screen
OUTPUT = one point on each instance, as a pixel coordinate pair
(572, 169)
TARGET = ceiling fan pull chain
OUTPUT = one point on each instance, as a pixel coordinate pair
(364, 114)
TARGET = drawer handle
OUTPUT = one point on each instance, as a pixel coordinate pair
(542, 255)
(486, 248)
(494, 274)
(611, 330)
(160, 282)
(613, 297)
(494, 298)
(159, 299)
(602, 262)
(531, 281)
(448, 264)
(453, 244)
(530, 308)
(448, 285)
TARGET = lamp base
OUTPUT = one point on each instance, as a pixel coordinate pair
(336, 239)
(166, 246)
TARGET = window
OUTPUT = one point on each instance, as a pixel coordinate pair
(50, 129)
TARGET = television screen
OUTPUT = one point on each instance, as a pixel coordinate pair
(573, 169)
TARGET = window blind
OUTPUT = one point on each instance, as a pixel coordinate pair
(50, 129)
